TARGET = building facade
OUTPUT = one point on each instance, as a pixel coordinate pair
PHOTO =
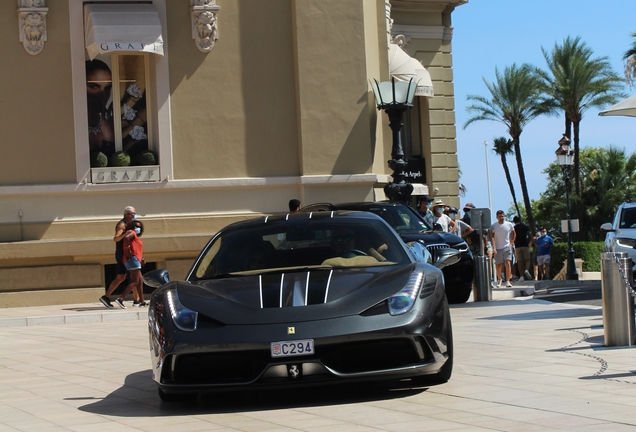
(198, 114)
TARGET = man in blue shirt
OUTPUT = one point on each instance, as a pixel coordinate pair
(544, 244)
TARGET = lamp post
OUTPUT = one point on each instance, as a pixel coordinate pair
(565, 159)
(395, 97)
(487, 174)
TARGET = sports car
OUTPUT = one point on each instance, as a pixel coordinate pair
(298, 300)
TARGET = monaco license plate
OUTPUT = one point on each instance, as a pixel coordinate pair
(292, 348)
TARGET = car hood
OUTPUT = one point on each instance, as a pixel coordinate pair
(297, 296)
(432, 237)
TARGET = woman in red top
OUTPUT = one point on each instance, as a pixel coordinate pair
(133, 260)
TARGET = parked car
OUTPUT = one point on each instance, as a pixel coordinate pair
(412, 227)
(299, 300)
(621, 233)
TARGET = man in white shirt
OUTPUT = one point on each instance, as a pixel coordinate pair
(503, 236)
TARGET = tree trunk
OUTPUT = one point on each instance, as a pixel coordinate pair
(524, 186)
(510, 184)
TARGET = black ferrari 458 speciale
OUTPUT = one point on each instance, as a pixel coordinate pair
(302, 299)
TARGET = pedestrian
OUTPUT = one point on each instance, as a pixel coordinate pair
(294, 205)
(120, 231)
(535, 248)
(544, 244)
(462, 229)
(522, 251)
(447, 224)
(467, 208)
(133, 260)
(502, 234)
(424, 203)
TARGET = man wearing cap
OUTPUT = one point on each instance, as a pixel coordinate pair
(467, 208)
(423, 204)
(439, 217)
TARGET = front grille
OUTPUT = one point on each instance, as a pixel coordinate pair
(434, 247)
(371, 356)
(217, 368)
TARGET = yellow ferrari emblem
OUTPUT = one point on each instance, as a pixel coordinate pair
(291, 330)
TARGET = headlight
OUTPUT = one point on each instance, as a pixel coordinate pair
(184, 318)
(462, 247)
(403, 301)
(626, 242)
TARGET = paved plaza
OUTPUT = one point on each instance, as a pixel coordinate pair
(521, 365)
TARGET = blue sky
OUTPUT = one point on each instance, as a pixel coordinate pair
(498, 33)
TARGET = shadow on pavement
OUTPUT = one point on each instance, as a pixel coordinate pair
(138, 398)
(555, 314)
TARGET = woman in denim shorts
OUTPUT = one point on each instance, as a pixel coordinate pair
(133, 260)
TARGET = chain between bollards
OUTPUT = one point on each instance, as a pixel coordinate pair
(621, 271)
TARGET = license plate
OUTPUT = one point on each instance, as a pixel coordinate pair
(292, 348)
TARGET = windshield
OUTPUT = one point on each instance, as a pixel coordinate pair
(299, 244)
(401, 217)
(628, 218)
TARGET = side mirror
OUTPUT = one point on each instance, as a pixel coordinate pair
(156, 278)
(437, 227)
(421, 253)
(445, 257)
(607, 227)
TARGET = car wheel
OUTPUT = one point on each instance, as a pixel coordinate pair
(459, 293)
(175, 397)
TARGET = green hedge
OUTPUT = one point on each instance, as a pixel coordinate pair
(589, 252)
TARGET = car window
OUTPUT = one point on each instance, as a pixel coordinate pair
(299, 244)
(628, 218)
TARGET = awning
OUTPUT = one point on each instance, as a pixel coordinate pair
(626, 107)
(424, 84)
(116, 28)
(403, 67)
(419, 189)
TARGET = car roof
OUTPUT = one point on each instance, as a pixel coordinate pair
(281, 218)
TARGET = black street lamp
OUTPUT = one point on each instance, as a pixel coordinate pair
(565, 159)
(395, 97)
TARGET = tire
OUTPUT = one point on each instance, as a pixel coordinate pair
(458, 293)
(175, 397)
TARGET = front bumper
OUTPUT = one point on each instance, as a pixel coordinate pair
(354, 348)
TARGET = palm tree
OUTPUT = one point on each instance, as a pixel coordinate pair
(630, 62)
(576, 82)
(515, 99)
(610, 179)
(504, 147)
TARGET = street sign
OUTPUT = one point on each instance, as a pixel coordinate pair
(573, 222)
(480, 219)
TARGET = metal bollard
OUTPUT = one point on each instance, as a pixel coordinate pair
(618, 304)
(481, 289)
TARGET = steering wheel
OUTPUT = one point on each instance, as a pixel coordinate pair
(353, 252)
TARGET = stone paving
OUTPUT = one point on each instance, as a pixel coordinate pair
(521, 365)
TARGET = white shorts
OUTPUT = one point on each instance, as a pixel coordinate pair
(543, 259)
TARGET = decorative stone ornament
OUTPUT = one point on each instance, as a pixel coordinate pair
(32, 25)
(204, 28)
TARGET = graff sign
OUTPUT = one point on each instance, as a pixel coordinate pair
(126, 174)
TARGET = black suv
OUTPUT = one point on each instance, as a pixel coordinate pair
(411, 227)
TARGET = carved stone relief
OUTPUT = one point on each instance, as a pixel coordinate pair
(32, 25)
(204, 26)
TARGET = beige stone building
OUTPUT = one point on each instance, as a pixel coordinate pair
(225, 109)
